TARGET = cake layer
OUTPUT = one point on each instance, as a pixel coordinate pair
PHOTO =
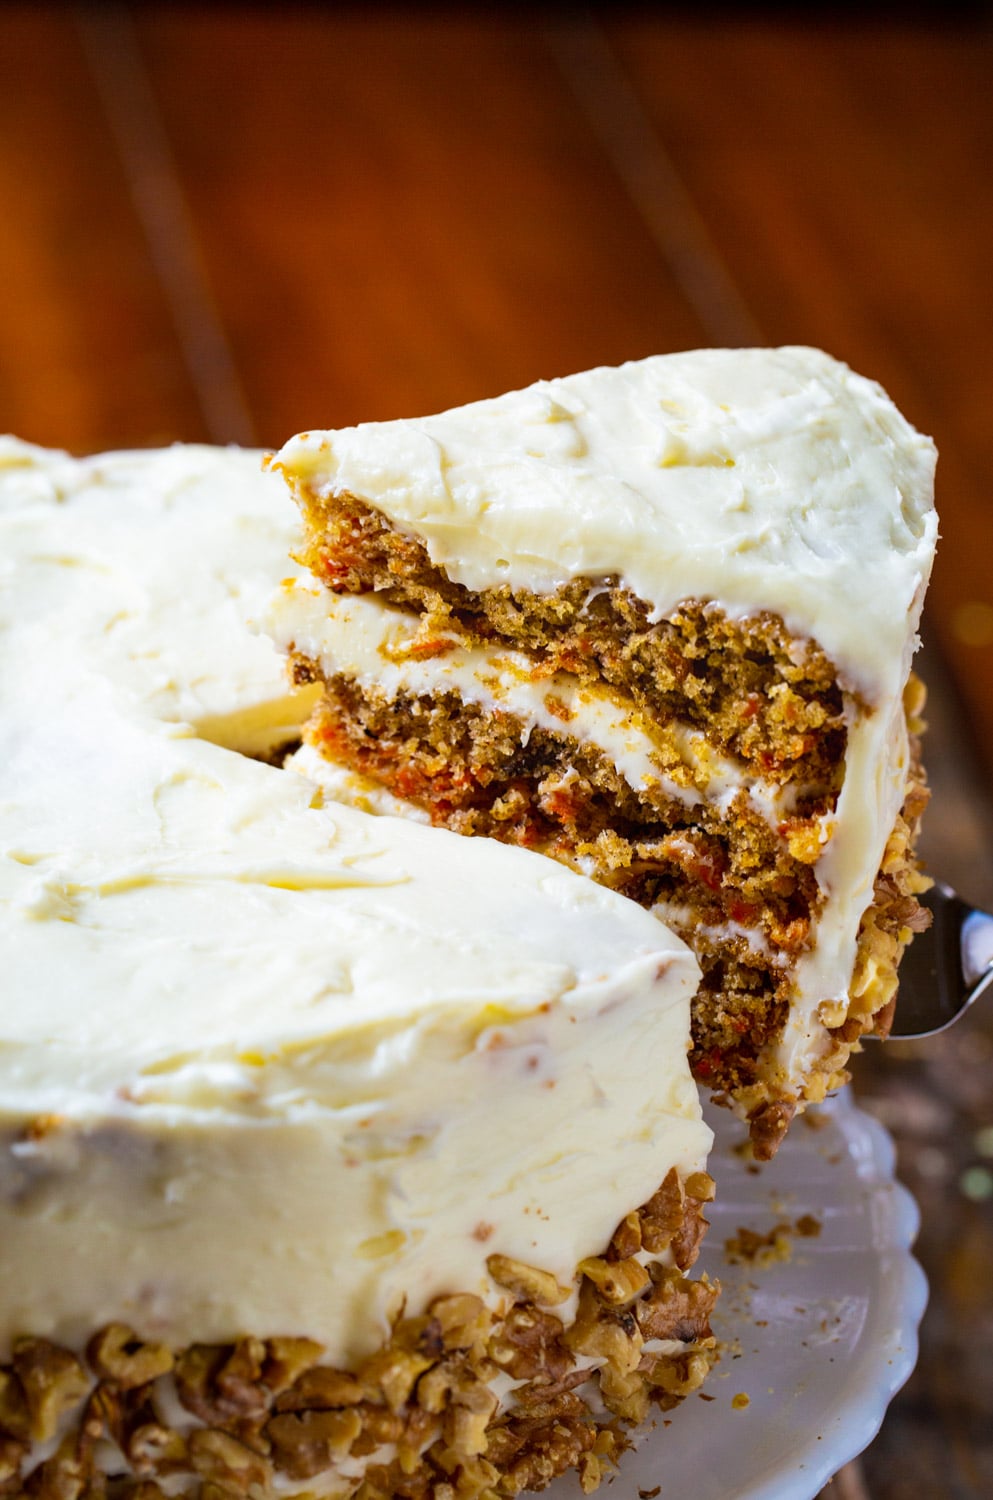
(657, 621)
(292, 1097)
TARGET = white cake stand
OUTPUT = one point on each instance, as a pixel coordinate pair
(819, 1344)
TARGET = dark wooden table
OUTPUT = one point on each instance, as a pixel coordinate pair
(230, 223)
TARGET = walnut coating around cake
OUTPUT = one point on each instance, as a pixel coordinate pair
(419, 1419)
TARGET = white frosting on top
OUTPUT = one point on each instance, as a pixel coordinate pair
(267, 1065)
(767, 479)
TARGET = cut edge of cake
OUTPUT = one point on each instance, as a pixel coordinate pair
(656, 622)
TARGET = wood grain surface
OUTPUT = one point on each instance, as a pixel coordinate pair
(231, 222)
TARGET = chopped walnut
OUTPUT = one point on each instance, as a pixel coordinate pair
(677, 1308)
(467, 1402)
(222, 1382)
(390, 1374)
(465, 1322)
(529, 1345)
(419, 1336)
(12, 1453)
(195, 1371)
(662, 1216)
(672, 1219)
(767, 1126)
(60, 1477)
(103, 1415)
(217, 1455)
(322, 1388)
(308, 1442)
(434, 1389)
(130, 1419)
(465, 1430)
(502, 1443)
(93, 1424)
(627, 1238)
(52, 1380)
(685, 1246)
(527, 1282)
(15, 1419)
(614, 1337)
(286, 1360)
(472, 1478)
(386, 1482)
(117, 1353)
(378, 1426)
(617, 1282)
(557, 1434)
(751, 1247)
(590, 1473)
(624, 1393)
(678, 1375)
(238, 1380)
(701, 1186)
(155, 1449)
(420, 1430)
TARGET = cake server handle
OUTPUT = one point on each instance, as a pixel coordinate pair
(946, 968)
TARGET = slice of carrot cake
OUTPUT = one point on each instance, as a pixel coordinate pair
(657, 622)
(337, 1154)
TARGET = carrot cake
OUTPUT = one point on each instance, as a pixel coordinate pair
(338, 1155)
(657, 622)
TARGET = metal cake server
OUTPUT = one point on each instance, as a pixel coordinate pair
(945, 968)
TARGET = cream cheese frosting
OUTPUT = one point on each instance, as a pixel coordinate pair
(770, 479)
(268, 1064)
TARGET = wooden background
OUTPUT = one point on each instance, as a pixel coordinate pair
(229, 223)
